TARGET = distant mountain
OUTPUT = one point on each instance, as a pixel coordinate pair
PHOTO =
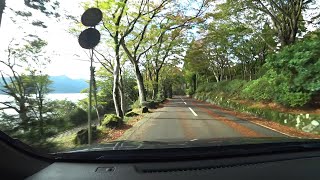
(64, 84)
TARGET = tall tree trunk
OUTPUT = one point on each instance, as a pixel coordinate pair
(122, 97)
(115, 90)
(155, 86)
(2, 6)
(41, 123)
(216, 76)
(194, 83)
(142, 92)
(170, 91)
(23, 115)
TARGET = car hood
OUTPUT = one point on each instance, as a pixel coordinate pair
(165, 144)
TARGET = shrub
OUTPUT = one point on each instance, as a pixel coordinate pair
(189, 91)
(78, 116)
(136, 104)
(234, 87)
(295, 99)
(111, 121)
(299, 65)
(223, 88)
(260, 90)
(131, 114)
(292, 99)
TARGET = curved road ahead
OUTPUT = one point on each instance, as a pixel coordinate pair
(184, 118)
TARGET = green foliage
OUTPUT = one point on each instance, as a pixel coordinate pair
(261, 89)
(294, 99)
(136, 105)
(131, 114)
(300, 64)
(190, 91)
(111, 121)
(78, 116)
(297, 68)
(223, 88)
(292, 77)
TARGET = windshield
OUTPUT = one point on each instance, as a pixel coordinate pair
(116, 74)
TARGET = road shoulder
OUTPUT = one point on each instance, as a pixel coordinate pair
(129, 133)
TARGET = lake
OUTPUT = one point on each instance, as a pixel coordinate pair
(74, 97)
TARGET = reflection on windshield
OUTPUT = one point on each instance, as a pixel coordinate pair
(162, 73)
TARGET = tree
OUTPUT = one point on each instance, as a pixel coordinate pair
(150, 30)
(34, 4)
(132, 45)
(27, 88)
(133, 28)
(2, 6)
(286, 16)
(119, 22)
(170, 45)
(40, 85)
(14, 85)
(172, 80)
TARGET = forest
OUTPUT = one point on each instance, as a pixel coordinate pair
(247, 51)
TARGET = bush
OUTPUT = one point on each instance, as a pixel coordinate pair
(136, 104)
(224, 88)
(189, 92)
(260, 90)
(131, 114)
(111, 121)
(291, 78)
(299, 65)
(292, 99)
(78, 116)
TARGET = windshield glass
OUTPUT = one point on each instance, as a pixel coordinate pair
(86, 75)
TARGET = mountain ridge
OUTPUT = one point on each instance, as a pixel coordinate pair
(64, 84)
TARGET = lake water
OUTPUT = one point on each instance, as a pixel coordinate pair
(74, 97)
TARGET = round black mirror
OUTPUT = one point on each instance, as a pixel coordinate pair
(91, 17)
(89, 38)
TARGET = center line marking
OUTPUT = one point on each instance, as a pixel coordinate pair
(183, 100)
(195, 114)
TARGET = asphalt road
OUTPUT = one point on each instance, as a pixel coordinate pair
(184, 118)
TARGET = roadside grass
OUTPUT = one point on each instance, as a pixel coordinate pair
(63, 143)
(105, 135)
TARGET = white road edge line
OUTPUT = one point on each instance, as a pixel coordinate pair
(185, 103)
(274, 130)
(195, 114)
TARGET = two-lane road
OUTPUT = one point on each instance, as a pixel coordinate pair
(186, 119)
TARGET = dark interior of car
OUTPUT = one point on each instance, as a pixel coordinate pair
(22, 164)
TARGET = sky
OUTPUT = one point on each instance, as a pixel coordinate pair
(67, 57)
